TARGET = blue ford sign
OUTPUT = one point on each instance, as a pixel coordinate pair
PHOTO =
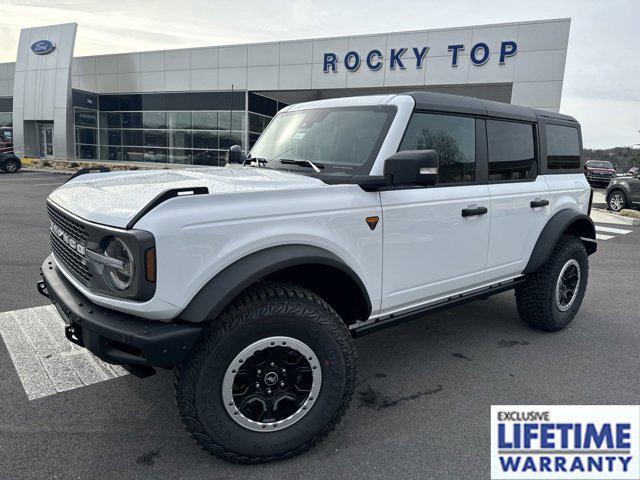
(479, 55)
(43, 47)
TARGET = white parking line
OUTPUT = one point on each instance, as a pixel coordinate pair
(599, 236)
(612, 230)
(46, 362)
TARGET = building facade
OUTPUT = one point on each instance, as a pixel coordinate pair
(189, 105)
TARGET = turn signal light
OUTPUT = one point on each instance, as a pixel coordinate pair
(150, 265)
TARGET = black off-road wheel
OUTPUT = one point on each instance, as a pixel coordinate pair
(551, 297)
(269, 378)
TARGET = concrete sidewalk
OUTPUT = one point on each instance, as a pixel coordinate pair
(601, 216)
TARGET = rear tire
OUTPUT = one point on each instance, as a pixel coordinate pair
(246, 397)
(550, 297)
(617, 201)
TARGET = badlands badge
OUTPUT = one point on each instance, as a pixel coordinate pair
(565, 442)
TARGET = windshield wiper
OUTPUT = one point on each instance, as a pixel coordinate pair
(304, 163)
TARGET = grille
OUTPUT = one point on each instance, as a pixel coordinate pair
(68, 224)
(71, 259)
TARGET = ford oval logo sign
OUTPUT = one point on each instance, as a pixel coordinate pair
(43, 47)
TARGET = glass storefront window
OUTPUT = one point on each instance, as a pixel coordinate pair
(207, 157)
(86, 135)
(208, 140)
(227, 140)
(110, 120)
(154, 120)
(253, 138)
(158, 155)
(180, 156)
(179, 120)
(132, 154)
(205, 120)
(155, 138)
(6, 119)
(110, 137)
(86, 152)
(112, 154)
(180, 138)
(256, 123)
(86, 118)
(132, 137)
(131, 119)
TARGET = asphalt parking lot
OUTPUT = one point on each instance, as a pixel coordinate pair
(421, 409)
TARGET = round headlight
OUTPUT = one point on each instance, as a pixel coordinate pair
(120, 277)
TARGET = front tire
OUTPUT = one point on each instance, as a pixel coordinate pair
(550, 297)
(617, 201)
(269, 378)
(11, 166)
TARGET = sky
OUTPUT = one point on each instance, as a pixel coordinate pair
(602, 76)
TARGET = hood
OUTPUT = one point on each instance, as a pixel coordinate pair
(115, 198)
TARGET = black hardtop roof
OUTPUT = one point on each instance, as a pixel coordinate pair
(444, 102)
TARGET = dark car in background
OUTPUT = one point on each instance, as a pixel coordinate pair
(599, 172)
(8, 160)
(624, 192)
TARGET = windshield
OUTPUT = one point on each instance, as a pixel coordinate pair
(600, 165)
(340, 140)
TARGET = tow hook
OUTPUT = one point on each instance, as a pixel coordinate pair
(74, 334)
(42, 288)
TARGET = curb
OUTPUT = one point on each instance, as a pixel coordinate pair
(619, 218)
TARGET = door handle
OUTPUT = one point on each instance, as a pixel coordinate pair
(539, 203)
(470, 212)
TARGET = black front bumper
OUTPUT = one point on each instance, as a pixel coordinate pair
(113, 336)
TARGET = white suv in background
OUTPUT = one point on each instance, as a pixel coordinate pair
(347, 216)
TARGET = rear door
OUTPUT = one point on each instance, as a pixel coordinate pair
(519, 196)
(430, 249)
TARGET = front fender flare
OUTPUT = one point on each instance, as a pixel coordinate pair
(218, 292)
(568, 221)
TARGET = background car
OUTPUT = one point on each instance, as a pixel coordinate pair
(599, 172)
(624, 192)
(8, 160)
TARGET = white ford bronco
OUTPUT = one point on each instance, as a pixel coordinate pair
(347, 216)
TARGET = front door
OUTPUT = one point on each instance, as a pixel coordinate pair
(434, 244)
(46, 140)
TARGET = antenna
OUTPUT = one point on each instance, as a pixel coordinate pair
(230, 118)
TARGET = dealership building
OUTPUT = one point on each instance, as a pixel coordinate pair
(188, 106)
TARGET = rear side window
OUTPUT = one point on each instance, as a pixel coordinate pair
(453, 137)
(563, 147)
(512, 154)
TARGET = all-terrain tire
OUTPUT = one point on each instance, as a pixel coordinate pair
(266, 310)
(536, 297)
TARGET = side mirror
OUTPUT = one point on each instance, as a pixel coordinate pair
(235, 154)
(412, 167)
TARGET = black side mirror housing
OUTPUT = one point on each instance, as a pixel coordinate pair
(412, 168)
(235, 154)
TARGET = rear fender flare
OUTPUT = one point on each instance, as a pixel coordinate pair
(565, 221)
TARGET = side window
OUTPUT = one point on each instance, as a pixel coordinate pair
(563, 147)
(453, 137)
(512, 154)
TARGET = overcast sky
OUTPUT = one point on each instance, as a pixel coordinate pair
(602, 77)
